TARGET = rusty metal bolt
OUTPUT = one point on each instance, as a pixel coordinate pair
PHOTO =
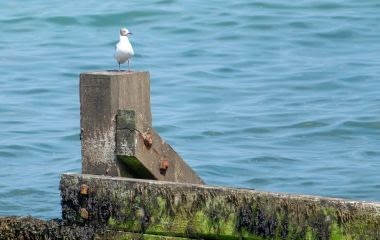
(164, 165)
(148, 139)
(83, 213)
(84, 189)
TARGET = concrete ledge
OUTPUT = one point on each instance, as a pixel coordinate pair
(199, 211)
(32, 228)
(119, 235)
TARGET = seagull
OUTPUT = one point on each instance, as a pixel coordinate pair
(123, 50)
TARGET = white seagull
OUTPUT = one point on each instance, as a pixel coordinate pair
(124, 51)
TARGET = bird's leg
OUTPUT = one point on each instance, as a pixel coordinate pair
(128, 66)
(119, 66)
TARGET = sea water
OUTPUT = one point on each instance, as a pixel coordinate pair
(273, 95)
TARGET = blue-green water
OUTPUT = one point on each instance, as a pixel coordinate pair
(273, 95)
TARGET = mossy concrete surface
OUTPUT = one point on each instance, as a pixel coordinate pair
(119, 235)
(169, 209)
(28, 228)
(25, 228)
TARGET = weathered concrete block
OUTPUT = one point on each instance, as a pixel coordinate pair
(199, 211)
(101, 95)
(146, 155)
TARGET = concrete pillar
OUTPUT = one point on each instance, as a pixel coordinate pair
(101, 95)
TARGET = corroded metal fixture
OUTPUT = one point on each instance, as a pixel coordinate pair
(148, 139)
(84, 189)
(164, 165)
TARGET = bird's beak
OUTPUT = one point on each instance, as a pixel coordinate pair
(129, 33)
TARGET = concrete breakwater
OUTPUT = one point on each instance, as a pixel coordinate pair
(135, 186)
(100, 207)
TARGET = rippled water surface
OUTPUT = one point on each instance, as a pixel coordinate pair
(273, 95)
